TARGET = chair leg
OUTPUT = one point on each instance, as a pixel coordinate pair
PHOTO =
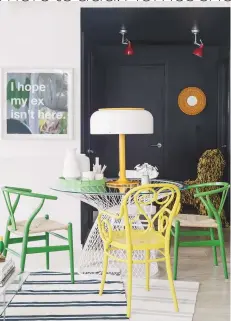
(176, 248)
(6, 241)
(214, 247)
(222, 249)
(147, 269)
(71, 252)
(171, 282)
(104, 274)
(129, 285)
(47, 253)
(24, 250)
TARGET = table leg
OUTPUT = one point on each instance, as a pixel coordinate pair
(91, 258)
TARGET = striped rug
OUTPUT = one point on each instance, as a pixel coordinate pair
(49, 296)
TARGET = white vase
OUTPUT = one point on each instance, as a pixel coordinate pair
(84, 163)
(71, 168)
(144, 179)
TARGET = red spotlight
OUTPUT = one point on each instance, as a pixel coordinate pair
(129, 50)
(199, 51)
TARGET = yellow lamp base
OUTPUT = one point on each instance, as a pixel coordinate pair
(122, 184)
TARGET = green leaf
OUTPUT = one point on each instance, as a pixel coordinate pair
(8, 89)
(26, 94)
(18, 94)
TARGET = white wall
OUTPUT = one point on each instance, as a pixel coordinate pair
(38, 36)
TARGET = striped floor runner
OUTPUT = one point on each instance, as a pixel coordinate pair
(49, 296)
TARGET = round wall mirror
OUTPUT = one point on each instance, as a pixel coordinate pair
(192, 100)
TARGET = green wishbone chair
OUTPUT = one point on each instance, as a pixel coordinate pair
(204, 225)
(34, 229)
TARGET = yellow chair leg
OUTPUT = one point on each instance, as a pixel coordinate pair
(105, 264)
(171, 282)
(147, 269)
(129, 286)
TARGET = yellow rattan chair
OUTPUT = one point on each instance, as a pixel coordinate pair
(152, 234)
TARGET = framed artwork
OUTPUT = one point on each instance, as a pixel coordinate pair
(192, 101)
(37, 104)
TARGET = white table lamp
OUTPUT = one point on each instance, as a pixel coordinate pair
(121, 121)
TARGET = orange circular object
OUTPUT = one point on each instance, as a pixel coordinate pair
(192, 101)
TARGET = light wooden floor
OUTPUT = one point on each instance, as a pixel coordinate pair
(196, 264)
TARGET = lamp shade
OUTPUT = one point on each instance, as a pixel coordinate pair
(129, 50)
(199, 51)
(121, 121)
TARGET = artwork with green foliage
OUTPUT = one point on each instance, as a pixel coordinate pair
(38, 103)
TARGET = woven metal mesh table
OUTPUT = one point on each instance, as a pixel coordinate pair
(109, 200)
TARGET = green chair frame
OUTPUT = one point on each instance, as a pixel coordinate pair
(204, 192)
(12, 206)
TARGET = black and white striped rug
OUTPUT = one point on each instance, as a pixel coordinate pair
(49, 296)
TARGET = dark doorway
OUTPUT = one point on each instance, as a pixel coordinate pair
(223, 139)
(161, 67)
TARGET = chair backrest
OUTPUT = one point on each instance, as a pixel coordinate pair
(207, 192)
(8, 192)
(211, 166)
(166, 197)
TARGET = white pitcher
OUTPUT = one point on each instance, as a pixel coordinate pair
(71, 167)
(84, 163)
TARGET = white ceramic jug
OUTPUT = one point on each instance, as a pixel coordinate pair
(71, 168)
(84, 163)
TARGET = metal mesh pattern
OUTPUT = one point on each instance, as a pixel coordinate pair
(92, 254)
(109, 200)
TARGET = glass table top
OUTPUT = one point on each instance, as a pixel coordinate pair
(10, 289)
(104, 190)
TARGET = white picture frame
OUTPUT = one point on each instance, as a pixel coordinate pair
(49, 82)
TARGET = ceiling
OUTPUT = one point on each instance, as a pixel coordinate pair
(157, 25)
